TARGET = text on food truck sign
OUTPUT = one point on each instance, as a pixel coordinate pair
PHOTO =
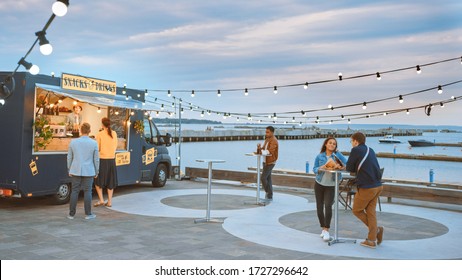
(75, 82)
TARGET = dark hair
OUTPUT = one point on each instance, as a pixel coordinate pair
(323, 148)
(270, 128)
(360, 137)
(81, 109)
(107, 124)
(85, 128)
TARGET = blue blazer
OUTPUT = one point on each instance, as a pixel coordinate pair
(83, 157)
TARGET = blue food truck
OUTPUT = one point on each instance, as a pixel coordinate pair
(35, 133)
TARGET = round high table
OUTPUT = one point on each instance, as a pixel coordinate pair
(258, 200)
(207, 218)
(336, 239)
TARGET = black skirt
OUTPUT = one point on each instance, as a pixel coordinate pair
(107, 177)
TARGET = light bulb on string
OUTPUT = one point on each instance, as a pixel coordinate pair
(132, 113)
(162, 107)
(378, 76)
(330, 106)
(193, 94)
(116, 113)
(269, 116)
(275, 117)
(146, 113)
(173, 104)
(401, 100)
(349, 121)
(74, 102)
(306, 85)
(59, 8)
(157, 113)
(418, 69)
(453, 97)
(343, 117)
(99, 110)
(275, 89)
(146, 92)
(440, 89)
(303, 113)
(237, 119)
(45, 46)
(300, 124)
(246, 91)
(249, 117)
(32, 68)
(209, 112)
(202, 114)
(330, 122)
(340, 76)
(442, 104)
(219, 93)
(182, 111)
(293, 119)
(385, 113)
(150, 118)
(364, 105)
(169, 93)
(407, 112)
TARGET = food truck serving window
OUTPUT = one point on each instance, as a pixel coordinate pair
(58, 117)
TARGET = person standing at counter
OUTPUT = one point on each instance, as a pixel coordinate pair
(324, 186)
(107, 178)
(83, 167)
(364, 163)
(270, 150)
(74, 119)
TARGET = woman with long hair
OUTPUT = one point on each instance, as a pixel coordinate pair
(107, 177)
(324, 187)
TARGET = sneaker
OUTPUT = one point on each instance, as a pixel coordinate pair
(70, 217)
(369, 244)
(326, 236)
(379, 235)
(89, 217)
(322, 233)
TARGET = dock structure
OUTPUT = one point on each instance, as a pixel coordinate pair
(281, 134)
(413, 156)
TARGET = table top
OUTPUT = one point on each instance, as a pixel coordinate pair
(257, 155)
(336, 171)
(211, 160)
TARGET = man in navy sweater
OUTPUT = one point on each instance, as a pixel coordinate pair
(363, 162)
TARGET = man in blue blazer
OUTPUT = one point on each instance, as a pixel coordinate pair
(83, 166)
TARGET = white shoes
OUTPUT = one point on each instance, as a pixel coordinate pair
(325, 235)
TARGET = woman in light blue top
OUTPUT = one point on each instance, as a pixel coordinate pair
(329, 158)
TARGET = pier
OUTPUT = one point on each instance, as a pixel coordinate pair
(281, 133)
(418, 157)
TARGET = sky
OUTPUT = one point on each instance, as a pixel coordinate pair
(196, 45)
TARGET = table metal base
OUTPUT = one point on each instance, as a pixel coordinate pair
(210, 220)
(259, 202)
(333, 241)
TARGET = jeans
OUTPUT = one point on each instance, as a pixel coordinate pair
(324, 201)
(266, 180)
(364, 208)
(80, 183)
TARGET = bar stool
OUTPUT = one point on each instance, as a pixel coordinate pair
(351, 192)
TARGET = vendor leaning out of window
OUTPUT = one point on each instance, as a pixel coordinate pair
(74, 119)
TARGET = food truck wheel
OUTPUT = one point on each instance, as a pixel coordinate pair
(160, 178)
(63, 195)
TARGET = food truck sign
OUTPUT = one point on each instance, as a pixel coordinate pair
(81, 83)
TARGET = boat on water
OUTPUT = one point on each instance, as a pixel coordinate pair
(421, 143)
(389, 139)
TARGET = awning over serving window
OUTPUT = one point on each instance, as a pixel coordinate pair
(98, 98)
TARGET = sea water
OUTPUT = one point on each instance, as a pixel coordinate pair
(293, 155)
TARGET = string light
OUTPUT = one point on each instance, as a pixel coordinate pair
(146, 92)
(407, 112)
(146, 113)
(249, 117)
(157, 113)
(275, 117)
(246, 92)
(442, 104)
(193, 94)
(305, 86)
(418, 69)
(385, 113)
(343, 117)
(74, 102)
(330, 106)
(116, 113)
(378, 76)
(453, 97)
(303, 113)
(32, 68)
(401, 100)
(182, 111)
(162, 107)
(209, 112)
(364, 106)
(99, 110)
(202, 114)
(219, 93)
(45, 46)
(275, 89)
(340, 76)
(440, 90)
(349, 121)
(59, 8)
(293, 119)
(169, 94)
(173, 104)
(132, 113)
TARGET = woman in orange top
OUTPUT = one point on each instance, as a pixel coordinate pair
(107, 177)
